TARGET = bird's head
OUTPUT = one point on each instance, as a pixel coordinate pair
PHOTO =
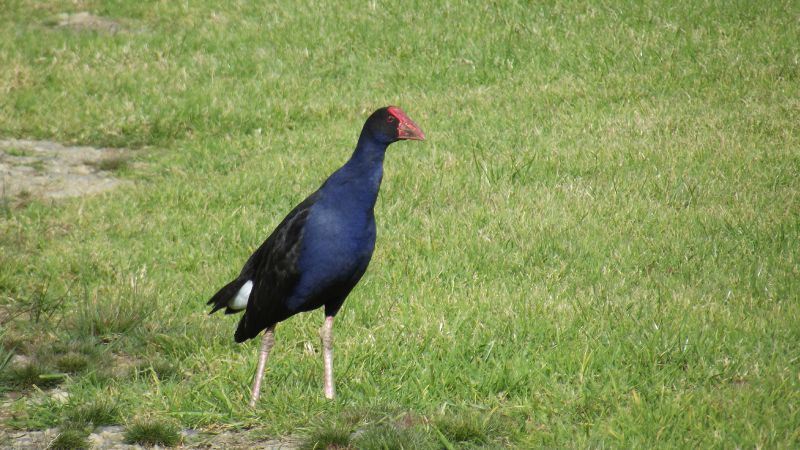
(391, 124)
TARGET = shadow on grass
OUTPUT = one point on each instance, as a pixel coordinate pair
(369, 429)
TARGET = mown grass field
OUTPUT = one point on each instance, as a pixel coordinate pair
(597, 246)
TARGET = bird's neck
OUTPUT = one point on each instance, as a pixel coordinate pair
(368, 155)
(359, 179)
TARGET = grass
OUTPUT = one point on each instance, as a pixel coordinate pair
(159, 368)
(152, 432)
(38, 166)
(73, 362)
(390, 437)
(463, 428)
(597, 242)
(70, 440)
(108, 313)
(328, 437)
(97, 413)
(18, 152)
(110, 164)
(28, 376)
(40, 303)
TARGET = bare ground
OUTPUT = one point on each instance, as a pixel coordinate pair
(46, 169)
(113, 438)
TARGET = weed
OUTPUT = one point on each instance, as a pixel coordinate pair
(391, 437)
(70, 439)
(152, 432)
(324, 438)
(31, 374)
(6, 351)
(40, 304)
(99, 377)
(72, 362)
(103, 314)
(462, 428)
(87, 346)
(97, 413)
(161, 368)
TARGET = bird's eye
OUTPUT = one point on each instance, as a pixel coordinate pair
(390, 119)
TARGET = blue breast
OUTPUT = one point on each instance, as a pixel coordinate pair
(339, 235)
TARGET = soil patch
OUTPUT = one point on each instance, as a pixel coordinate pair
(51, 170)
(113, 438)
(87, 21)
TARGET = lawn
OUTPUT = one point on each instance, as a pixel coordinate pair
(597, 245)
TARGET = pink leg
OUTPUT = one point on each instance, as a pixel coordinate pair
(326, 333)
(266, 345)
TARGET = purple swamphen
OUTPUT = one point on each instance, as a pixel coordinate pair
(320, 250)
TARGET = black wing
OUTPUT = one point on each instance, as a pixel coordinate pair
(274, 272)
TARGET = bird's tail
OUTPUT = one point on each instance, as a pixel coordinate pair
(247, 329)
(223, 297)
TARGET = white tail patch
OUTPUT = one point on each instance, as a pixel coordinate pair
(240, 300)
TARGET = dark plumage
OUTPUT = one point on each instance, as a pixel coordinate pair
(319, 252)
(274, 273)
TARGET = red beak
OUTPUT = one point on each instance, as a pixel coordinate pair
(407, 129)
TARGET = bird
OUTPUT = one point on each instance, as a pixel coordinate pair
(319, 251)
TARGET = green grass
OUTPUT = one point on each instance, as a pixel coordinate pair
(19, 152)
(70, 440)
(390, 437)
(327, 437)
(464, 428)
(100, 412)
(159, 368)
(595, 247)
(111, 312)
(152, 432)
(29, 375)
(72, 362)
